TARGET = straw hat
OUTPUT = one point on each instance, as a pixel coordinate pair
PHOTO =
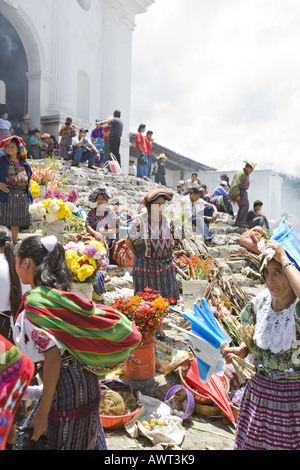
(162, 155)
(252, 164)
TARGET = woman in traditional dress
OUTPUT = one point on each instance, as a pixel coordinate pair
(76, 341)
(269, 415)
(66, 133)
(150, 239)
(15, 195)
(102, 221)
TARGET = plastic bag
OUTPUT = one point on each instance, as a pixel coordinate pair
(173, 433)
(289, 240)
(114, 165)
(250, 238)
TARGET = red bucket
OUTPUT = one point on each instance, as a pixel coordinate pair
(141, 363)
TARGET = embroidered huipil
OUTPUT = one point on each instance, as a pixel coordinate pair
(157, 236)
(17, 175)
(276, 333)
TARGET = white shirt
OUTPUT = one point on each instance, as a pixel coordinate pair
(132, 170)
(189, 184)
(76, 140)
(191, 208)
(33, 341)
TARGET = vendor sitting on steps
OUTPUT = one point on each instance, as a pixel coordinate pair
(84, 150)
(255, 217)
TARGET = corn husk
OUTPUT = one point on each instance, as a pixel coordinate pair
(247, 335)
(243, 369)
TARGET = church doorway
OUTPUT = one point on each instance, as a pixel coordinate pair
(13, 69)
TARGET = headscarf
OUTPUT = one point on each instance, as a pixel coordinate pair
(105, 192)
(154, 194)
(21, 145)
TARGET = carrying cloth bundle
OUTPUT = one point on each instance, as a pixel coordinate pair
(122, 255)
(99, 337)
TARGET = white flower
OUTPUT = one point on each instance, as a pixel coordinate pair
(71, 246)
(71, 206)
(53, 208)
(51, 218)
(99, 254)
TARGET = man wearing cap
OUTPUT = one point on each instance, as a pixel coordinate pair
(180, 187)
(98, 141)
(238, 192)
(221, 199)
(84, 150)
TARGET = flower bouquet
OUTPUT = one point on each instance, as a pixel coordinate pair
(46, 173)
(52, 209)
(85, 259)
(223, 314)
(146, 310)
(193, 266)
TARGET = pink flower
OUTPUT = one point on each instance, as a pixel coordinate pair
(90, 250)
(73, 195)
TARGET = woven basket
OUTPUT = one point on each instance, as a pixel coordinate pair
(111, 404)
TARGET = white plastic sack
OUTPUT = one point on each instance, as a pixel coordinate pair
(173, 433)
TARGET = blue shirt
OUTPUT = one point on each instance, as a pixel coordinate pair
(219, 191)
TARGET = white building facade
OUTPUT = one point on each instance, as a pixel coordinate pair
(78, 59)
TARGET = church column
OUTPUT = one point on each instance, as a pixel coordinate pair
(109, 43)
(60, 59)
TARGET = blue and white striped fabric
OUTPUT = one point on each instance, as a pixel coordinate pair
(288, 238)
(210, 337)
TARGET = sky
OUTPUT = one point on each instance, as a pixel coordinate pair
(219, 80)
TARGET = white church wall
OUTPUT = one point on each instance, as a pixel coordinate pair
(264, 185)
(79, 59)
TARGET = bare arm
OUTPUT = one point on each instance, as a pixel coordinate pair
(51, 373)
(129, 244)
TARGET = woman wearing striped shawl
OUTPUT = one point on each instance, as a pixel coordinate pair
(269, 415)
(76, 340)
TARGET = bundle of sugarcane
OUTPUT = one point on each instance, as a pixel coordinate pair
(246, 255)
(247, 335)
(243, 369)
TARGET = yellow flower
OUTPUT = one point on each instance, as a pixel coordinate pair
(90, 260)
(84, 272)
(34, 189)
(75, 267)
(47, 203)
(136, 300)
